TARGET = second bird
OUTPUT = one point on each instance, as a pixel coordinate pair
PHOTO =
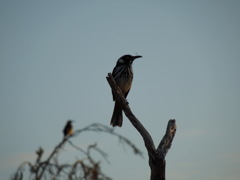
(68, 129)
(123, 75)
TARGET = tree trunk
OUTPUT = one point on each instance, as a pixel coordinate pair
(157, 168)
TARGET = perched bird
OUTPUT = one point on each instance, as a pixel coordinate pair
(68, 129)
(123, 75)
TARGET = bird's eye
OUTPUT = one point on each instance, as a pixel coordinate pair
(121, 61)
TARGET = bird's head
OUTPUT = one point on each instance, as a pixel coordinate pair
(127, 59)
(69, 122)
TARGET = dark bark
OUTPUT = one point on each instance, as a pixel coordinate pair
(157, 156)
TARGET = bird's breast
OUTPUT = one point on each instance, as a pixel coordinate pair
(125, 84)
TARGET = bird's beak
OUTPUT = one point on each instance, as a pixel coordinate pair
(135, 57)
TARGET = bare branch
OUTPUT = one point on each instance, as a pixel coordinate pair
(156, 156)
(96, 127)
(56, 149)
(135, 122)
(167, 139)
(85, 168)
(19, 173)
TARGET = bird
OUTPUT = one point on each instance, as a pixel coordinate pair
(68, 129)
(123, 75)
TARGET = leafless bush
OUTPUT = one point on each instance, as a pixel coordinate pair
(85, 168)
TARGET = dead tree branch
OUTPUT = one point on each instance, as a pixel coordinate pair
(156, 156)
(85, 168)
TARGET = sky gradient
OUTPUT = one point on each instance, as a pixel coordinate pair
(55, 55)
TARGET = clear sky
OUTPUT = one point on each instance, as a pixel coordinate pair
(55, 55)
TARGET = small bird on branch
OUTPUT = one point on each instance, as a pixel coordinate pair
(123, 75)
(68, 129)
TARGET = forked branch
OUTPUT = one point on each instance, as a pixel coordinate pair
(156, 156)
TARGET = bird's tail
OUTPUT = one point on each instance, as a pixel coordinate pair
(117, 116)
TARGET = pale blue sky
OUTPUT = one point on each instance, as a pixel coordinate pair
(55, 55)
